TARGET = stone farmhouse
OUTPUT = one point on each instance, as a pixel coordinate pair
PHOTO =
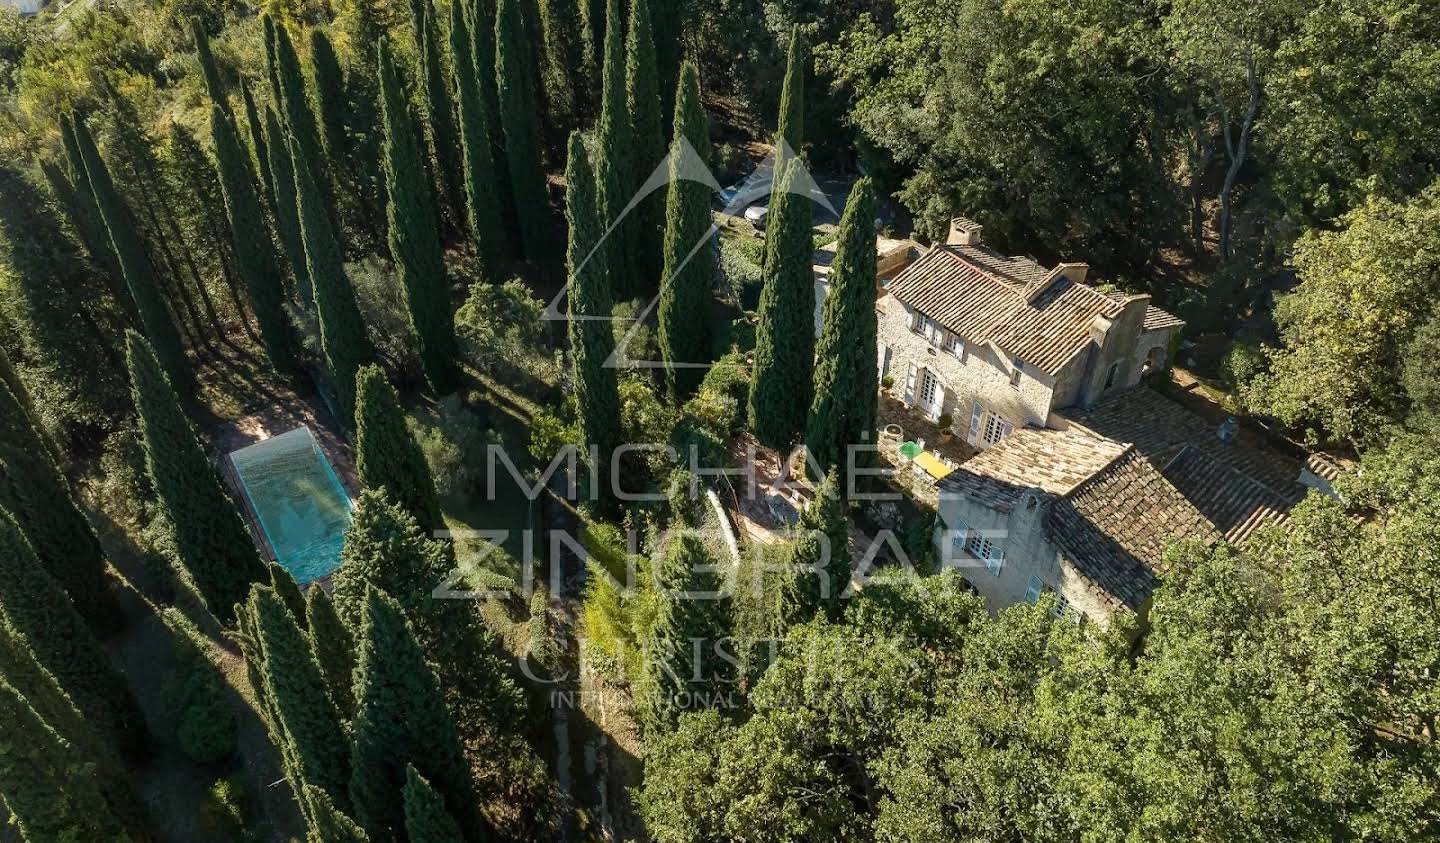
(1084, 476)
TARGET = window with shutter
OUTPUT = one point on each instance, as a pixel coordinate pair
(976, 415)
(910, 374)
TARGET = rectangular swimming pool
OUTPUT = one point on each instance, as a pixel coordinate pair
(299, 501)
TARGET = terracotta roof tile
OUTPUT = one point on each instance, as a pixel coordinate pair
(1054, 461)
(1114, 528)
(986, 297)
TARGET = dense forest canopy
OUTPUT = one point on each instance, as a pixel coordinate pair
(221, 221)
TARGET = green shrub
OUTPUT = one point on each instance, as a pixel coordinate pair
(1243, 360)
(199, 702)
(223, 812)
(741, 262)
(453, 439)
(502, 332)
(639, 345)
(381, 297)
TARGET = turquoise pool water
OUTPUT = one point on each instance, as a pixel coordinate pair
(301, 505)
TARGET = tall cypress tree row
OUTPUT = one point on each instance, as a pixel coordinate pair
(20, 667)
(200, 205)
(39, 611)
(843, 411)
(642, 94)
(214, 83)
(387, 456)
(614, 161)
(333, 648)
(255, 257)
(300, 123)
(401, 718)
(287, 212)
(51, 790)
(210, 538)
(439, 113)
(592, 339)
(791, 123)
(667, 20)
(686, 279)
(780, 384)
(343, 338)
(414, 233)
(309, 722)
(283, 585)
(135, 266)
(482, 196)
(426, 820)
(519, 119)
(54, 293)
(36, 493)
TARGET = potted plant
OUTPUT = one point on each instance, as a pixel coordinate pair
(887, 386)
(945, 421)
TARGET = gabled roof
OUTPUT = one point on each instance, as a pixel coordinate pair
(1114, 512)
(1114, 528)
(1240, 485)
(1028, 311)
(1054, 461)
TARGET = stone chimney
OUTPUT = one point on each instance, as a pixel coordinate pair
(1076, 272)
(963, 232)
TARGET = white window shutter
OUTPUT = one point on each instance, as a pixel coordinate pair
(1033, 589)
(910, 375)
(884, 362)
(939, 399)
(996, 560)
(915, 319)
(973, 437)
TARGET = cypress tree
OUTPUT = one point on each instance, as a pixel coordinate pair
(246, 635)
(561, 65)
(309, 723)
(414, 233)
(842, 413)
(327, 823)
(343, 338)
(401, 717)
(483, 15)
(690, 614)
(20, 667)
(38, 496)
(201, 207)
(426, 820)
(385, 549)
(482, 197)
(642, 94)
(791, 124)
(592, 338)
(34, 605)
(439, 113)
(254, 252)
(259, 148)
(332, 646)
(90, 224)
(51, 790)
(300, 123)
(686, 279)
(287, 213)
(210, 538)
(387, 456)
(785, 337)
(53, 292)
(667, 20)
(614, 165)
(330, 98)
(214, 83)
(288, 591)
(515, 89)
(135, 266)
